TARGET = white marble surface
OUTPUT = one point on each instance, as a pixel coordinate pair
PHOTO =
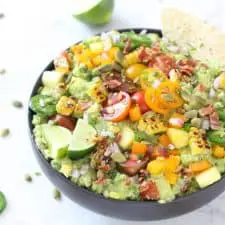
(31, 34)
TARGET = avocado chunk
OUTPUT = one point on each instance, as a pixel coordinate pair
(208, 177)
(51, 78)
(165, 190)
(57, 138)
(127, 138)
(83, 140)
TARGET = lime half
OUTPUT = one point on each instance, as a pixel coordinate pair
(83, 140)
(94, 12)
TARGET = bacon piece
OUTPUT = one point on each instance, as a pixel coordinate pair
(186, 66)
(164, 63)
(207, 110)
(214, 121)
(116, 83)
(149, 190)
(147, 54)
(127, 47)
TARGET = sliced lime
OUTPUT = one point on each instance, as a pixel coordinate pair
(57, 138)
(3, 202)
(83, 140)
(94, 12)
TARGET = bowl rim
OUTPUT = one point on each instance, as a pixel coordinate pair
(86, 190)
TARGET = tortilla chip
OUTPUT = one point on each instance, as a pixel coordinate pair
(184, 28)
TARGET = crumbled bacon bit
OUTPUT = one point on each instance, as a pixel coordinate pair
(210, 112)
(127, 47)
(200, 88)
(207, 110)
(149, 190)
(164, 63)
(147, 54)
(114, 82)
(186, 66)
(214, 121)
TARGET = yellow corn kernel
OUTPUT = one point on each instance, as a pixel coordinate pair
(218, 151)
(112, 52)
(96, 61)
(65, 106)
(156, 167)
(98, 92)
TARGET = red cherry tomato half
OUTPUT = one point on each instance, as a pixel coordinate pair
(64, 121)
(118, 111)
(139, 98)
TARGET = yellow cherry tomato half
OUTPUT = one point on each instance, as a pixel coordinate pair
(135, 70)
(151, 77)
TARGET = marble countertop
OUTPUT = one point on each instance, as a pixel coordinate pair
(31, 34)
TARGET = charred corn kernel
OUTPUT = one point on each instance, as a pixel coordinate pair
(139, 148)
(200, 166)
(112, 52)
(164, 140)
(218, 151)
(172, 163)
(65, 106)
(156, 167)
(131, 58)
(135, 113)
(151, 125)
(171, 177)
(96, 61)
(196, 142)
(98, 92)
(134, 70)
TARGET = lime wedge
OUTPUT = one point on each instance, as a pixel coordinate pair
(94, 12)
(83, 140)
(57, 138)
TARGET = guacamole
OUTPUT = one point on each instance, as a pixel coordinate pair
(130, 118)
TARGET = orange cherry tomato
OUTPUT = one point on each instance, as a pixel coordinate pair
(153, 103)
(135, 113)
(164, 140)
(118, 111)
(168, 95)
(139, 148)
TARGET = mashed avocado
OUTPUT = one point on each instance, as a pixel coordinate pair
(121, 187)
(79, 87)
(206, 76)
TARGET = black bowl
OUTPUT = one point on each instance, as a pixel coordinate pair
(129, 210)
